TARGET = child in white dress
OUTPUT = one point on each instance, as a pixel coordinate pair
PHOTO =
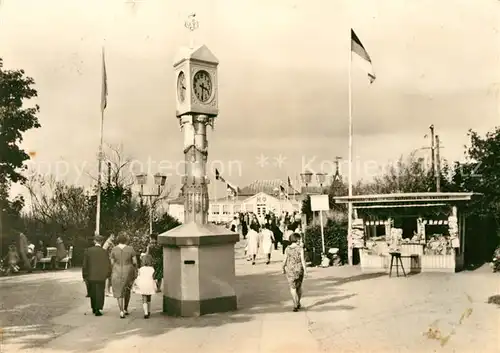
(145, 284)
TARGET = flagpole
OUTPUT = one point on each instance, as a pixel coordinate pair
(104, 94)
(99, 172)
(349, 212)
(215, 190)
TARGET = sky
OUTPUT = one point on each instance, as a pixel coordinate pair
(283, 81)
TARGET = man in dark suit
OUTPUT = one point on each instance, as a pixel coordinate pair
(96, 268)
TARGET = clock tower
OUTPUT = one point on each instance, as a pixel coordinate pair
(196, 82)
(197, 250)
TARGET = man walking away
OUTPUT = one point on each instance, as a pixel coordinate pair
(96, 268)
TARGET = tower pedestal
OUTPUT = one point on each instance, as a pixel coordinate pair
(199, 270)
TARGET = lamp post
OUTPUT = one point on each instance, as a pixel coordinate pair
(159, 181)
(321, 178)
(306, 178)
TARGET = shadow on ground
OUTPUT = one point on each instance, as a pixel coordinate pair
(257, 293)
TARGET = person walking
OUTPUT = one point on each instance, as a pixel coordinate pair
(267, 242)
(294, 267)
(156, 251)
(286, 236)
(124, 262)
(90, 243)
(96, 268)
(278, 235)
(145, 284)
(108, 246)
(244, 227)
(253, 242)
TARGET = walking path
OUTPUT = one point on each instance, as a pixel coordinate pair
(345, 311)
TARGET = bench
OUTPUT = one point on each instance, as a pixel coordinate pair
(67, 260)
(51, 253)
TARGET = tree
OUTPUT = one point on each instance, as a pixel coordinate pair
(480, 173)
(58, 209)
(408, 175)
(119, 208)
(10, 218)
(15, 120)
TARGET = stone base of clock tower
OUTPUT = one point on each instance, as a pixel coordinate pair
(199, 270)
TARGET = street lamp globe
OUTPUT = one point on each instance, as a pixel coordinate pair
(306, 177)
(141, 178)
(321, 177)
(160, 179)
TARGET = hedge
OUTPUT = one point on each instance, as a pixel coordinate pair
(335, 237)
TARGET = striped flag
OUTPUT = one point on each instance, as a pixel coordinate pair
(358, 48)
(104, 90)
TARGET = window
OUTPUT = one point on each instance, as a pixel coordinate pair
(225, 209)
(237, 208)
(375, 228)
(261, 209)
(215, 209)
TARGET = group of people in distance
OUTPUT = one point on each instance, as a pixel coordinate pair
(25, 255)
(118, 265)
(268, 232)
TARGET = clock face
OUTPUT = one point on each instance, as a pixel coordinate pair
(202, 86)
(181, 87)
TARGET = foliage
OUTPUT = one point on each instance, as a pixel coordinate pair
(140, 239)
(59, 209)
(335, 237)
(480, 173)
(10, 218)
(15, 88)
(15, 120)
(409, 174)
(337, 188)
(165, 223)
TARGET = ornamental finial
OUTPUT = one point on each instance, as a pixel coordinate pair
(192, 24)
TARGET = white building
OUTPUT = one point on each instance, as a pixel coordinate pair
(259, 197)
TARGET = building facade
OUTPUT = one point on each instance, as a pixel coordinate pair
(260, 197)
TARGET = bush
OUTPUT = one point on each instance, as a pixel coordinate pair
(335, 237)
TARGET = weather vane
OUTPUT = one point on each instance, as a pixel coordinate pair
(192, 24)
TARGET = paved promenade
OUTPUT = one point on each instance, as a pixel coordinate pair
(345, 311)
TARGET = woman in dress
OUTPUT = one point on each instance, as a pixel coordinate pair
(124, 262)
(253, 242)
(156, 252)
(294, 267)
(267, 242)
